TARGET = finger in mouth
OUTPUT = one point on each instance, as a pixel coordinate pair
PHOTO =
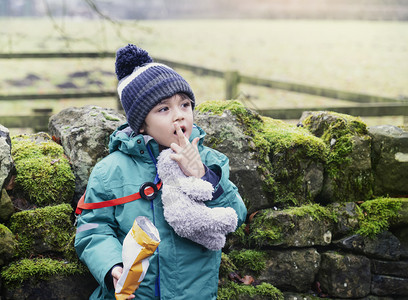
(182, 129)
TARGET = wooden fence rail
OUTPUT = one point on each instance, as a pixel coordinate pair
(233, 79)
(317, 91)
(369, 105)
(37, 122)
(58, 96)
(366, 110)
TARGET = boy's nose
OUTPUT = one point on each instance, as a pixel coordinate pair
(178, 115)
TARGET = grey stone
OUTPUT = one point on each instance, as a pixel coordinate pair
(291, 270)
(344, 275)
(390, 160)
(402, 235)
(384, 246)
(75, 287)
(297, 296)
(84, 133)
(6, 162)
(389, 286)
(298, 177)
(392, 268)
(37, 138)
(372, 297)
(6, 206)
(226, 134)
(347, 218)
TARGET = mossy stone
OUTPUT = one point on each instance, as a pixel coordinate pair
(44, 173)
(303, 226)
(38, 269)
(43, 230)
(6, 206)
(348, 171)
(290, 158)
(8, 244)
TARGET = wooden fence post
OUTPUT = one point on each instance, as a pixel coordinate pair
(231, 84)
(44, 114)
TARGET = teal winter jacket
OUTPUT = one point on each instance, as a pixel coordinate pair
(180, 268)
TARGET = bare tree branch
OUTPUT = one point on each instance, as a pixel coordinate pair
(57, 27)
(117, 25)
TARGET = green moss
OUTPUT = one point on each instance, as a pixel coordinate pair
(269, 291)
(339, 123)
(217, 107)
(49, 227)
(281, 147)
(4, 230)
(235, 291)
(226, 266)
(24, 147)
(213, 142)
(262, 236)
(315, 211)
(44, 174)
(239, 235)
(38, 269)
(68, 251)
(253, 260)
(282, 136)
(338, 134)
(109, 117)
(375, 215)
(265, 230)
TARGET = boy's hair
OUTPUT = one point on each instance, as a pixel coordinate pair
(183, 96)
(143, 84)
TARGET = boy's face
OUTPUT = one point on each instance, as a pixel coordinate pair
(159, 122)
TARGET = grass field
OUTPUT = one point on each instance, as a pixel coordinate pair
(357, 56)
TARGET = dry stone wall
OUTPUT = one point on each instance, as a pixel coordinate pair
(328, 215)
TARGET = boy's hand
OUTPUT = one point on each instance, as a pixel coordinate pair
(186, 154)
(116, 273)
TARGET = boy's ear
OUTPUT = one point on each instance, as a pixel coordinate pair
(142, 128)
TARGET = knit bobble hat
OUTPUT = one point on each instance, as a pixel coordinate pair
(143, 84)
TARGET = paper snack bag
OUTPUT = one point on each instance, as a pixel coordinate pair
(139, 244)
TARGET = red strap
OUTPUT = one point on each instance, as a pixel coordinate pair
(81, 205)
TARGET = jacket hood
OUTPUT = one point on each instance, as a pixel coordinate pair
(124, 139)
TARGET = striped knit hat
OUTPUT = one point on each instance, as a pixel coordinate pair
(143, 84)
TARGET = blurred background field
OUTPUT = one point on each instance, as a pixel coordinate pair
(363, 56)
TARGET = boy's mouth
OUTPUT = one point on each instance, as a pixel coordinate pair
(182, 129)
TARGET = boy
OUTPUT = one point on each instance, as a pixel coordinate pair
(159, 105)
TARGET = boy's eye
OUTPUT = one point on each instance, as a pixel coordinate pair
(164, 108)
(186, 104)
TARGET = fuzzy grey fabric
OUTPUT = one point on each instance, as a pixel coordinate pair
(184, 209)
